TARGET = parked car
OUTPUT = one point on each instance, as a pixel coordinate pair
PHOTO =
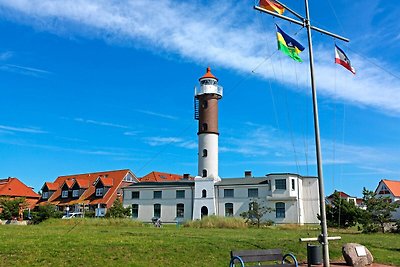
(73, 215)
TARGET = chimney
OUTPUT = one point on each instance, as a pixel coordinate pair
(186, 176)
(247, 174)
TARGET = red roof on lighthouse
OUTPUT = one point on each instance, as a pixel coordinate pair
(208, 75)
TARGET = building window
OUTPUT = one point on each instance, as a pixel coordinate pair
(252, 192)
(280, 184)
(180, 193)
(384, 190)
(99, 192)
(157, 194)
(135, 210)
(293, 185)
(45, 195)
(180, 210)
(75, 193)
(204, 193)
(205, 153)
(135, 194)
(280, 209)
(157, 210)
(228, 209)
(64, 194)
(204, 173)
(228, 193)
(204, 126)
(204, 104)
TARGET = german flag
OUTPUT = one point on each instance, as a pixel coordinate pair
(271, 5)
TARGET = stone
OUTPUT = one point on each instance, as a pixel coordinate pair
(356, 255)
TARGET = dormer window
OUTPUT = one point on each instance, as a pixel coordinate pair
(45, 195)
(99, 192)
(64, 194)
(75, 193)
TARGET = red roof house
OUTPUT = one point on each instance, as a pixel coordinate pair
(90, 191)
(163, 177)
(13, 188)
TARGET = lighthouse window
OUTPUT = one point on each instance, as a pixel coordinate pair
(204, 173)
(204, 153)
(205, 104)
(205, 127)
(204, 193)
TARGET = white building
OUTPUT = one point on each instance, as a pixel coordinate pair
(294, 198)
(390, 189)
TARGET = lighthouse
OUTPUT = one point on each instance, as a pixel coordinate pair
(206, 112)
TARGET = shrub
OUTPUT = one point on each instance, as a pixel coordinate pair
(45, 212)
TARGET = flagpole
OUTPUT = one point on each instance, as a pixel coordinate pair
(324, 228)
(305, 22)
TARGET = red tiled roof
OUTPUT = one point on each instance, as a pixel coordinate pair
(341, 195)
(160, 177)
(51, 186)
(113, 179)
(82, 183)
(393, 186)
(13, 187)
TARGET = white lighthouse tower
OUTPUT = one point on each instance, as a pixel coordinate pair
(206, 112)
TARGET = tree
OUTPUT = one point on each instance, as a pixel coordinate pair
(256, 212)
(378, 211)
(342, 213)
(118, 211)
(11, 207)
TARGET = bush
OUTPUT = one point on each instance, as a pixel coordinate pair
(45, 212)
(90, 214)
(217, 222)
(118, 211)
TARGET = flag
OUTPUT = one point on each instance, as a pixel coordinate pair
(342, 59)
(271, 5)
(288, 45)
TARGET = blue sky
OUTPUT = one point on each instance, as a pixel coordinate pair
(100, 85)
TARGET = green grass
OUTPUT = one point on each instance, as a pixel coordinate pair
(101, 242)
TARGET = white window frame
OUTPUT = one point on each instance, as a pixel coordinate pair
(99, 191)
(64, 194)
(45, 195)
(75, 193)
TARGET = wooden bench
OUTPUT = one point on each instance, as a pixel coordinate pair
(262, 257)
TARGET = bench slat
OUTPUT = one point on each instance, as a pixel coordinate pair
(258, 255)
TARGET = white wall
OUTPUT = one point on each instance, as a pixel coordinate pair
(168, 203)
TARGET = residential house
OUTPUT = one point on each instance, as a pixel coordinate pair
(357, 201)
(13, 188)
(90, 191)
(390, 189)
(155, 176)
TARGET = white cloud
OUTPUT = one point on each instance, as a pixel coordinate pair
(101, 123)
(24, 70)
(268, 145)
(165, 116)
(176, 141)
(21, 129)
(218, 37)
(6, 55)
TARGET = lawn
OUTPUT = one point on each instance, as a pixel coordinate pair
(100, 242)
